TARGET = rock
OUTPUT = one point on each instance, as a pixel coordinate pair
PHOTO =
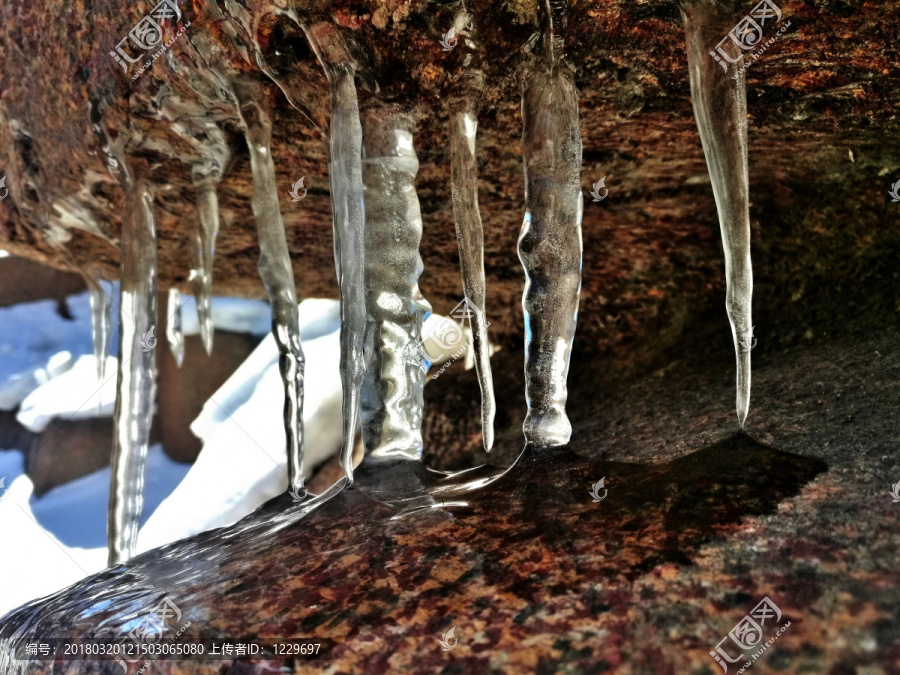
(69, 449)
(23, 280)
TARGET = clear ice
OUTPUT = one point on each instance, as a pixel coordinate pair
(464, 106)
(394, 381)
(208, 161)
(174, 329)
(136, 383)
(550, 241)
(278, 277)
(349, 216)
(101, 319)
(720, 106)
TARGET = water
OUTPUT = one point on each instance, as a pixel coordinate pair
(550, 241)
(393, 387)
(136, 382)
(345, 171)
(720, 106)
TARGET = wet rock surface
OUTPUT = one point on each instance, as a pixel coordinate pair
(698, 525)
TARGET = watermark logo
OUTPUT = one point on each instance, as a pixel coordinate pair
(445, 640)
(295, 189)
(148, 342)
(595, 490)
(149, 629)
(147, 34)
(447, 335)
(449, 40)
(895, 493)
(748, 32)
(894, 193)
(595, 193)
(6, 190)
(748, 633)
(297, 494)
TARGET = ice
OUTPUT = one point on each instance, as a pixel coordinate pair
(278, 278)
(242, 464)
(101, 320)
(393, 385)
(720, 106)
(136, 384)
(470, 237)
(550, 241)
(174, 329)
(349, 216)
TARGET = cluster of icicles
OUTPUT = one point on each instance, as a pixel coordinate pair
(377, 232)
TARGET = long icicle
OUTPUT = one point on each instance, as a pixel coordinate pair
(393, 386)
(174, 329)
(550, 241)
(720, 106)
(101, 320)
(136, 383)
(278, 277)
(349, 216)
(470, 236)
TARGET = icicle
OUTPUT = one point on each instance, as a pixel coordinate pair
(393, 385)
(101, 319)
(349, 215)
(720, 106)
(174, 330)
(203, 247)
(470, 237)
(550, 240)
(136, 382)
(278, 278)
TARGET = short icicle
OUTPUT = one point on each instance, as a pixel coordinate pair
(174, 329)
(101, 319)
(349, 223)
(203, 248)
(394, 381)
(136, 383)
(550, 243)
(470, 236)
(720, 106)
(278, 277)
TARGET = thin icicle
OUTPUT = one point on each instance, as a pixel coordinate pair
(278, 277)
(349, 216)
(470, 237)
(136, 384)
(174, 330)
(203, 247)
(101, 319)
(550, 241)
(393, 385)
(720, 106)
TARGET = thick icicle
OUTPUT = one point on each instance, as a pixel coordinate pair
(278, 277)
(720, 106)
(550, 241)
(101, 319)
(349, 222)
(136, 384)
(174, 330)
(393, 385)
(470, 236)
